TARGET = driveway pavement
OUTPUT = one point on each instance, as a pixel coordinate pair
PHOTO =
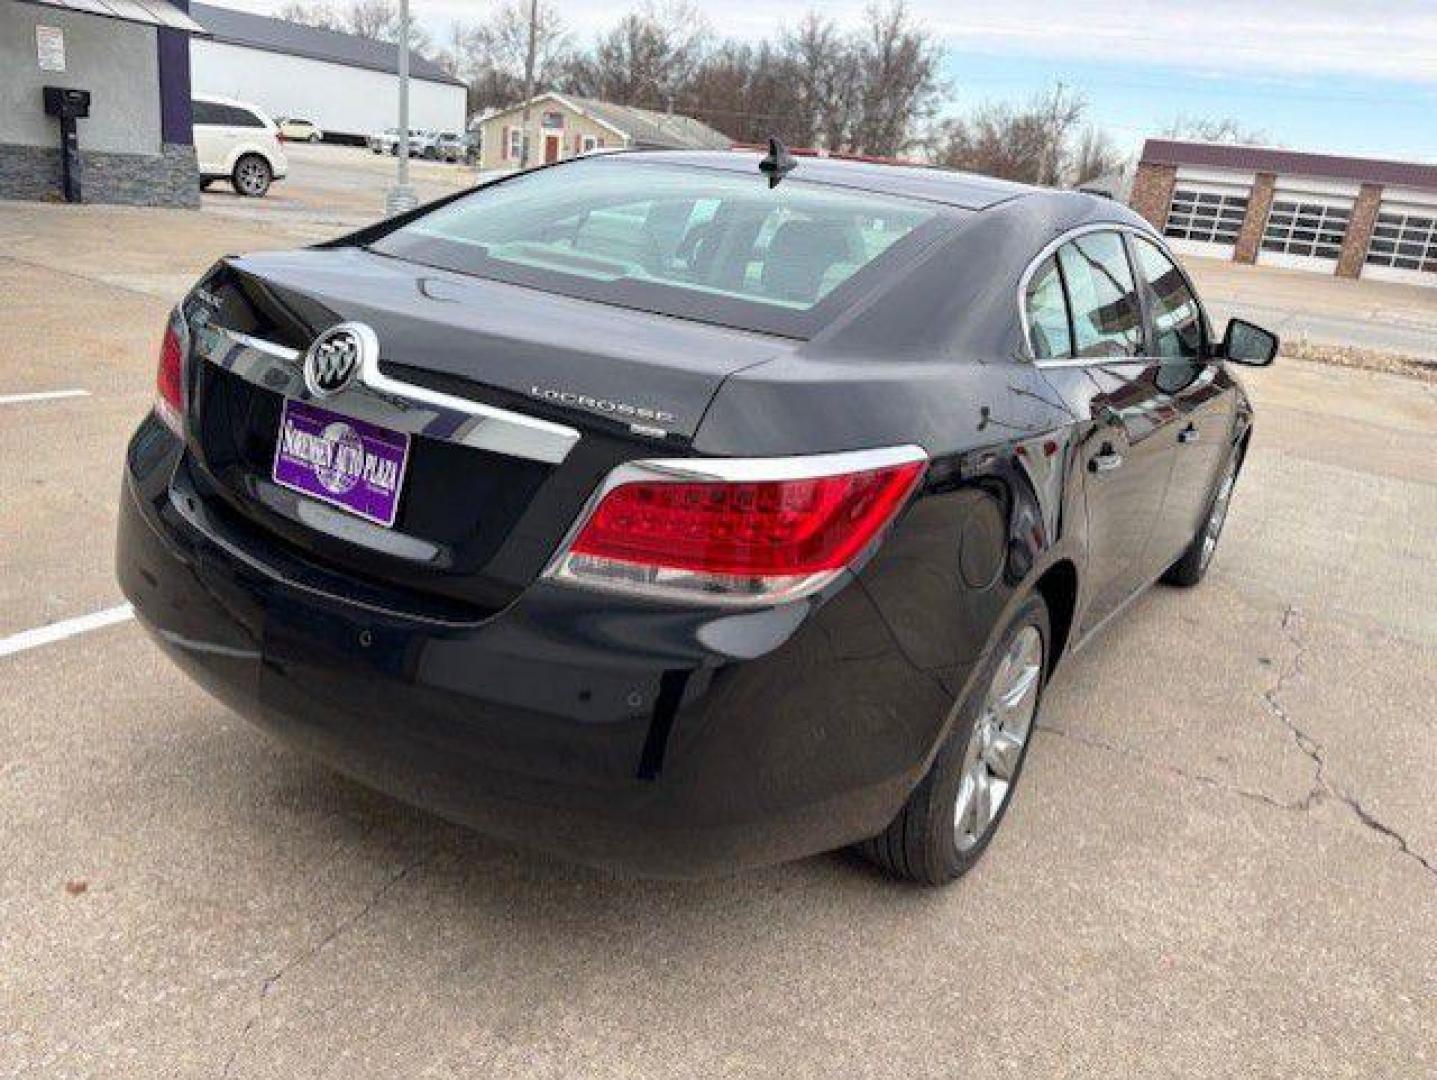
(1322, 310)
(1222, 861)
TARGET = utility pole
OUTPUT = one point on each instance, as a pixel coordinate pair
(402, 196)
(1054, 135)
(529, 82)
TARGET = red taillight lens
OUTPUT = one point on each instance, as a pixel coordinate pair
(170, 380)
(753, 538)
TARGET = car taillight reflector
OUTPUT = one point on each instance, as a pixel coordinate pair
(753, 538)
(170, 380)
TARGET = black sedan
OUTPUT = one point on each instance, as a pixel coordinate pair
(680, 512)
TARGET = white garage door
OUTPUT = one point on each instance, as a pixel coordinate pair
(1205, 218)
(1404, 244)
(1304, 231)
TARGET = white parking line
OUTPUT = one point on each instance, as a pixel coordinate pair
(45, 635)
(45, 395)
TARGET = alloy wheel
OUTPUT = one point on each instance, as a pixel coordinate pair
(250, 176)
(999, 735)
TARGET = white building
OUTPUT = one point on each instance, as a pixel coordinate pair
(345, 84)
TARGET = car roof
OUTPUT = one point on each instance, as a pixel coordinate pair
(966, 190)
(216, 99)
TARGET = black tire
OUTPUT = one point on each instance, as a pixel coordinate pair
(205, 182)
(1193, 566)
(252, 175)
(922, 843)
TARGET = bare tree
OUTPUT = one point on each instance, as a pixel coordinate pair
(1093, 156)
(749, 92)
(375, 19)
(310, 13)
(829, 78)
(1036, 143)
(997, 140)
(1207, 129)
(495, 53)
(647, 59)
(898, 64)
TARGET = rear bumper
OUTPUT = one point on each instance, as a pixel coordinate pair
(614, 732)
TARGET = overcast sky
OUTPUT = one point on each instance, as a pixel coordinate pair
(1356, 76)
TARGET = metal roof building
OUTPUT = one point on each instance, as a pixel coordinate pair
(346, 84)
(1352, 216)
(563, 125)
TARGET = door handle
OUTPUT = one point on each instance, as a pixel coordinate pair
(1105, 460)
(1189, 434)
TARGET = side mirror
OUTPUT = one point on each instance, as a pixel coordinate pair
(1244, 343)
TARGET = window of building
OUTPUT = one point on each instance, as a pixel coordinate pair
(588, 143)
(1306, 227)
(554, 120)
(516, 143)
(1405, 239)
(1209, 217)
(1107, 320)
(1048, 329)
(1177, 319)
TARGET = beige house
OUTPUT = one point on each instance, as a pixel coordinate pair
(562, 126)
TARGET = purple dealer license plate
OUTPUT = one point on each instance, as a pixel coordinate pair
(345, 462)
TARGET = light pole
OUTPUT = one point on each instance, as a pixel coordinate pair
(529, 82)
(402, 196)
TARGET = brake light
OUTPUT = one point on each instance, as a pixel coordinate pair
(170, 380)
(757, 530)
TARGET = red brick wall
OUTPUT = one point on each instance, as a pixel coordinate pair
(1259, 202)
(1153, 192)
(1359, 231)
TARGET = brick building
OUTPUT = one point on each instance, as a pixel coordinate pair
(1354, 217)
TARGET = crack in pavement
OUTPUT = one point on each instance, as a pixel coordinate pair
(1174, 770)
(335, 932)
(1322, 785)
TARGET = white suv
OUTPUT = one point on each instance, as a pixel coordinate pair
(236, 141)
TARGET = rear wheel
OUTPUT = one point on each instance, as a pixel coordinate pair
(251, 176)
(952, 815)
(205, 182)
(1193, 566)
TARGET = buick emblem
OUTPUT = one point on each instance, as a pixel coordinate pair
(337, 357)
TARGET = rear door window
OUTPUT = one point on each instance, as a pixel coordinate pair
(710, 244)
(1049, 331)
(1107, 318)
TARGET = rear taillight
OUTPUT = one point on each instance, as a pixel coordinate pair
(170, 379)
(755, 530)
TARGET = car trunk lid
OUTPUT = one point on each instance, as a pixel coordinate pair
(483, 377)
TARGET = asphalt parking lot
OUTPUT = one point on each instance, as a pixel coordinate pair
(1222, 861)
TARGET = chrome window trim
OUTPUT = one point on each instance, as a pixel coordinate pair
(719, 470)
(1050, 249)
(376, 397)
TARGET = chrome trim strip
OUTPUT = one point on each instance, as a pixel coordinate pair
(732, 470)
(403, 406)
(284, 352)
(1052, 246)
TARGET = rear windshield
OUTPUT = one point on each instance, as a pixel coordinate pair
(697, 243)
